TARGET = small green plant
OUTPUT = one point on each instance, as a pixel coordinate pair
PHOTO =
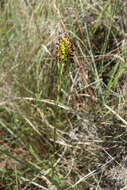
(65, 53)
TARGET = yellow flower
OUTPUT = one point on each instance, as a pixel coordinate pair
(65, 50)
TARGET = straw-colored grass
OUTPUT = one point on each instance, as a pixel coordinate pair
(63, 95)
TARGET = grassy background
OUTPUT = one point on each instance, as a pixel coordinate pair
(63, 115)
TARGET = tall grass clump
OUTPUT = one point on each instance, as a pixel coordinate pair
(63, 94)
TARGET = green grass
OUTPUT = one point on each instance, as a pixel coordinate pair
(62, 113)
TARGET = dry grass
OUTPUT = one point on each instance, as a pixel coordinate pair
(63, 115)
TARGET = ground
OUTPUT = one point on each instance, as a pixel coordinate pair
(63, 114)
